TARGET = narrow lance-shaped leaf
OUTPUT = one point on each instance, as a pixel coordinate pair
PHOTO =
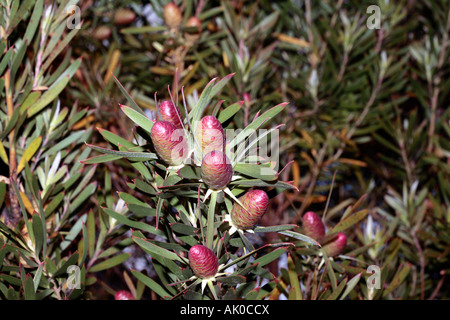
(29, 153)
(55, 89)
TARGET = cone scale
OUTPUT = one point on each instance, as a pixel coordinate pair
(203, 261)
(255, 203)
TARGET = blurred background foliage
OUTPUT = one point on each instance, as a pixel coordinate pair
(368, 125)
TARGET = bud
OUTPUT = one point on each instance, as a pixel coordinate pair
(335, 246)
(193, 35)
(124, 16)
(203, 261)
(172, 15)
(170, 143)
(255, 203)
(124, 295)
(216, 170)
(102, 33)
(313, 226)
(169, 112)
(209, 134)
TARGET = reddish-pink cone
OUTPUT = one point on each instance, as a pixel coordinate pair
(313, 226)
(255, 203)
(124, 16)
(172, 15)
(169, 112)
(193, 35)
(216, 170)
(209, 134)
(336, 245)
(124, 295)
(170, 143)
(203, 261)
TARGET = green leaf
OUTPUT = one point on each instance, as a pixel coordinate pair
(29, 153)
(40, 234)
(54, 204)
(350, 285)
(271, 256)
(34, 20)
(203, 102)
(134, 224)
(398, 279)
(109, 263)
(299, 236)
(2, 192)
(278, 228)
(138, 118)
(133, 104)
(115, 139)
(348, 222)
(20, 14)
(84, 195)
(331, 275)
(37, 276)
(63, 270)
(256, 171)
(221, 84)
(91, 233)
(152, 249)
(6, 60)
(75, 137)
(261, 183)
(154, 286)
(338, 290)
(101, 159)
(55, 89)
(3, 156)
(190, 172)
(230, 111)
(252, 127)
(136, 156)
(232, 280)
(28, 288)
(210, 220)
(295, 293)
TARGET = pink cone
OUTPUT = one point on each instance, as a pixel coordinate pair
(124, 295)
(209, 134)
(170, 143)
(216, 170)
(336, 246)
(169, 112)
(313, 226)
(203, 261)
(255, 203)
